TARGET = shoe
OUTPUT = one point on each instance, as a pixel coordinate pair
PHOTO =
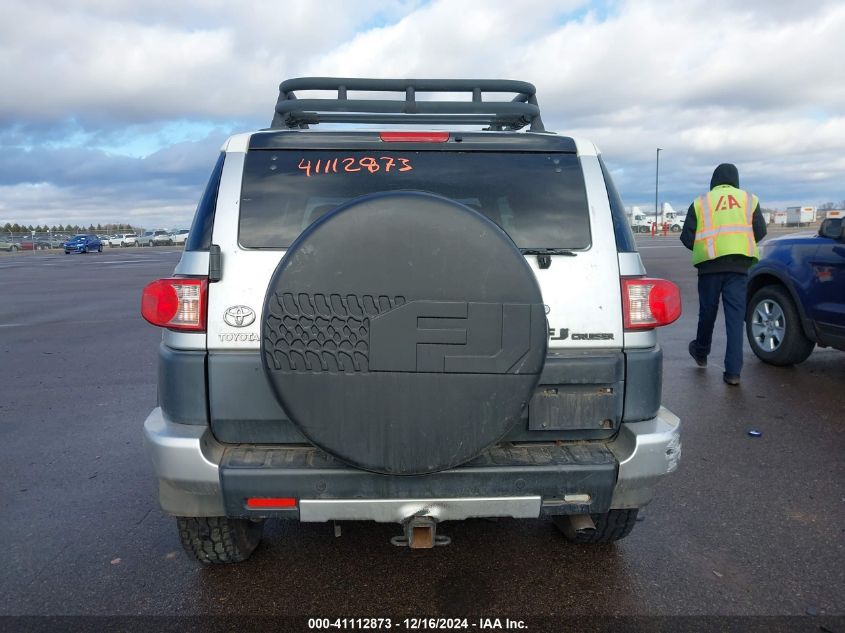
(731, 379)
(701, 361)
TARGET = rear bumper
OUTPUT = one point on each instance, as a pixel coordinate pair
(200, 477)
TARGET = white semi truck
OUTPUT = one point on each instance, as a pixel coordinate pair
(641, 221)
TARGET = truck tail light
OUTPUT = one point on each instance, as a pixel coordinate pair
(648, 303)
(177, 303)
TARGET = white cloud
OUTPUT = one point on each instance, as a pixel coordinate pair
(759, 83)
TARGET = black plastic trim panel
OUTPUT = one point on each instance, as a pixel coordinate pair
(643, 383)
(579, 397)
(182, 392)
(830, 335)
(243, 408)
(548, 470)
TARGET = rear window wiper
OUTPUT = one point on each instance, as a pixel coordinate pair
(547, 251)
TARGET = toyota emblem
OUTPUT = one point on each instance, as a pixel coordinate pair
(239, 316)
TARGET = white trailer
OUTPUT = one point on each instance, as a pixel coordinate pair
(798, 216)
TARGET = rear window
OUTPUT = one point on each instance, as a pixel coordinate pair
(537, 198)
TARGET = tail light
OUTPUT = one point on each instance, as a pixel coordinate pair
(178, 303)
(649, 303)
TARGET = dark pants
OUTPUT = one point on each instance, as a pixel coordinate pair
(731, 287)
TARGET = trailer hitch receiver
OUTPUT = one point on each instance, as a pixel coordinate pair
(420, 532)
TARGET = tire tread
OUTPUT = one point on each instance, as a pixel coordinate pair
(219, 540)
(796, 347)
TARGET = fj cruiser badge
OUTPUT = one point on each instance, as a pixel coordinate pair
(239, 316)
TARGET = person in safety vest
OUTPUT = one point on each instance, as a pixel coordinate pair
(722, 229)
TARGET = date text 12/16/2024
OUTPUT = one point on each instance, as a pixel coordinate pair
(416, 624)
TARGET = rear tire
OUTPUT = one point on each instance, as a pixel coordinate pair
(785, 343)
(611, 526)
(219, 540)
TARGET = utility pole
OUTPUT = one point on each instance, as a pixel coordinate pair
(656, 174)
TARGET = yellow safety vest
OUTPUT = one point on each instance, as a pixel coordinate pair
(724, 225)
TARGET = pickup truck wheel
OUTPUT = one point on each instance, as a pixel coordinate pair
(611, 526)
(396, 357)
(773, 328)
(219, 540)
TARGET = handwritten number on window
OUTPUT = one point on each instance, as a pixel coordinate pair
(365, 164)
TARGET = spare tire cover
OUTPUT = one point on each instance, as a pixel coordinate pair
(403, 333)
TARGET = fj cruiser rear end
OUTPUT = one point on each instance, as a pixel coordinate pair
(408, 326)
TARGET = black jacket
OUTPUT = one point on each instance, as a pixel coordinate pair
(724, 174)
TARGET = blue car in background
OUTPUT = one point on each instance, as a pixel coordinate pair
(83, 243)
(796, 295)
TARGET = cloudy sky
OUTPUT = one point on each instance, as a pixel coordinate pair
(113, 111)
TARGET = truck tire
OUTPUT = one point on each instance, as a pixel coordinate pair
(773, 328)
(219, 540)
(610, 526)
(403, 333)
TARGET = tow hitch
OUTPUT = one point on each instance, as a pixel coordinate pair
(420, 533)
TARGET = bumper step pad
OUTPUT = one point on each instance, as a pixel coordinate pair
(551, 471)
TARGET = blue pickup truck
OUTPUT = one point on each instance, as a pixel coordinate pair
(797, 295)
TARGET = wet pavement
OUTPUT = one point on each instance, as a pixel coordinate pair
(747, 526)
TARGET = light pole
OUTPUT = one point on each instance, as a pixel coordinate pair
(656, 173)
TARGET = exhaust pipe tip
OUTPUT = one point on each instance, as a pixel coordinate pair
(574, 524)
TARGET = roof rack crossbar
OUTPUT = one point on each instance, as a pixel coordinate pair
(522, 110)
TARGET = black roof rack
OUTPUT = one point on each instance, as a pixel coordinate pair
(523, 110)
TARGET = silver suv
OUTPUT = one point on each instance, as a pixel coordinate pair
(158, 237)
(408, 326)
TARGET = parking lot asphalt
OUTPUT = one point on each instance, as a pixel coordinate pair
(747, 526)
